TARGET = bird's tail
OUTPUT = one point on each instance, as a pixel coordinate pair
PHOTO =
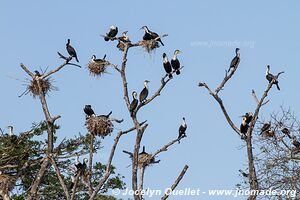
(178, 72)
(170, 76)
(106, 38)
(161, 42)
(76, 59)
(278, 88)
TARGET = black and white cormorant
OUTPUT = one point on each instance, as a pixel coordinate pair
(182, 129)
(175, 62)
(123, 39)
(286, 131)
(80, 169)
(71, 50)
(244, 126)
(236, 60)
(89, 111)
(249, 117)
(149, 35)
(98, 60)
(144, 92)
(270, 77)
(133, 103)
(112, 32)
(295, 142)
(266, 127)
(167, 65)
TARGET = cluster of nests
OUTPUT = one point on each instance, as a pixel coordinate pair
(149, 45)
(46, 86)
(7, 183)
(99, 126)
(97, 67)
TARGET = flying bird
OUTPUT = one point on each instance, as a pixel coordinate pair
(71, 50)
(175, 62)
(149, 35)
(133, 103)
(167, 65)
(270, 77)
(144, 92)
(236, 60)
(182, 129)
(112, 32)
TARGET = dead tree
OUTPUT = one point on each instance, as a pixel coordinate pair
(248, 137)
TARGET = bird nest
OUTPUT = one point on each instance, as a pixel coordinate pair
(6, 183)
(121, 46)
(46, 86)
(149, 45)
(100, 126)
(98, 68)
(145, 160)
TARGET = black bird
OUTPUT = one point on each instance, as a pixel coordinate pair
(244, 174)
(244, 126)
(266, 127)
(149, 35)
(133, 103)
(89, 111)
(175, 62)
(106, 116)
(182, 129)
(98, 60)
(236, 60)
(167, 65)
(71, 50)
(113, 31)
(144, 92)
(249, 117)
(37, 73)
(286, 131)
(270, 77)
(295, 142)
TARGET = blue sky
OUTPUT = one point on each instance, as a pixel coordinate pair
(207, 32)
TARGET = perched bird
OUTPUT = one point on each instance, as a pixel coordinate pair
(143, 152)
(175, 62)
(10, 130)
(182, 129)
(149, 35)
(295, 142)
(167, 65)
(266, 127)
(89, 111)
(286, 131)
(236, 60)
(244, 174)
(270, 77)
(80, 167)
(249, 117)
(106, 116)
(133, 103)
(98, 60)
(37, 73)
(144, 92)
(71, 50)
(112, 32)
(244, 126)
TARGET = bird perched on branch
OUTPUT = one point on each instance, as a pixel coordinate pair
(167, 65)
(175, 62)
(133, 103)
(144, 92)
(182, 129)
(249, 117)
(270, 77)
(265, 128)
(149, 35)
(88, 111)
(286, 131)
(112, 32)
(244, 126)
(80, 170)
(37, 73)
(236, 60)
(295, 142)
(71, 50)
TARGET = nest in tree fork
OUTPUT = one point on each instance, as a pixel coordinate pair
(149, 45)
(98, 68)
(99, 126)
(46, 86)
(7, 183)
(145, 160)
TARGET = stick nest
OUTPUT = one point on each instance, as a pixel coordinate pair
(149, 45)
(98, 68)
(46, 86)
(6, 183)
(145, 160)
(99, 126)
